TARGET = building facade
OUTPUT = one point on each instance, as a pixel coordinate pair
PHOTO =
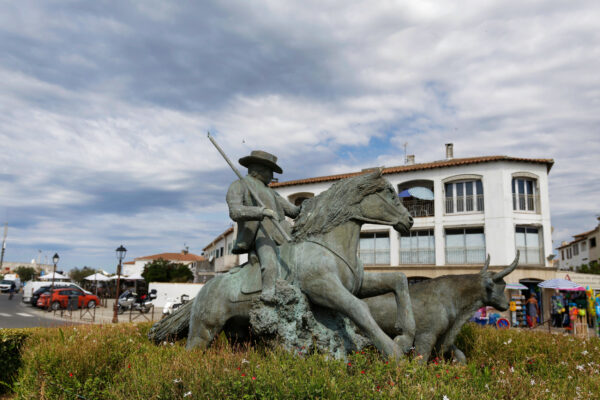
(582, 250)
(184, 257)
(472, 207)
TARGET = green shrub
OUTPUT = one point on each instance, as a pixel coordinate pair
(118, 362)
(11, 341)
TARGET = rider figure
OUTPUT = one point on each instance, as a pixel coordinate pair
(255, 232)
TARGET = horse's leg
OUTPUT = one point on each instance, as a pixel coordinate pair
(377, 283)
(328, 291)
(209, 314)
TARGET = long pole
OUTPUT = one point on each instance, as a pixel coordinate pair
(115, 317)
(3, 245)
(250, 189)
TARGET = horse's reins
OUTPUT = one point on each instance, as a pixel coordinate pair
(357, 278)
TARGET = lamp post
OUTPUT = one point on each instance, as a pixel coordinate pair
(55, 261)
(120, 256)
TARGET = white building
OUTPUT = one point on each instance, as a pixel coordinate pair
(481, 205)
(582, 250)
(184, 257)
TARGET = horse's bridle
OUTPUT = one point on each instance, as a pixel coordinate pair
(377, 221)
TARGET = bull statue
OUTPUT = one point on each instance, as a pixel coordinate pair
(441, 307)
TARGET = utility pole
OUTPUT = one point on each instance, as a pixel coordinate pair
(3, 245)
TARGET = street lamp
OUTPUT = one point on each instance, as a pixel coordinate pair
(120, 256)
(55, 261)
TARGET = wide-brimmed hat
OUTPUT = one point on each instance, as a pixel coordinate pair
(261, 157)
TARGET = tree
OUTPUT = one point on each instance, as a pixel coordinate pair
(165, 271)
(25, 273)
(77, 274)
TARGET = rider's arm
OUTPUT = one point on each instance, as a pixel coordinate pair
(289, 209)
(238, 211)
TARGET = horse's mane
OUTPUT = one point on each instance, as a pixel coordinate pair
(336, 205)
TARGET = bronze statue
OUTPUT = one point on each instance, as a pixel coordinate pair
(321, 261)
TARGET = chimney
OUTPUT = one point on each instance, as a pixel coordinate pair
(449, 151)
(410, 159)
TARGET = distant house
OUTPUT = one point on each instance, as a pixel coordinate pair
(583, 249)
(184, 257)
(219, 255)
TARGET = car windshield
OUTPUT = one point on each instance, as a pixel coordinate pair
(5, 282)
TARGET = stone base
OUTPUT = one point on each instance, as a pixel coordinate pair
(287, 318)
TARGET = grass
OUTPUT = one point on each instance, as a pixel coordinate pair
(118, 362)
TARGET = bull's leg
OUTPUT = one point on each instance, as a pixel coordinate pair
(447, 343)
(328, 291)
(424, 343)
(455, 352)
(375, 284)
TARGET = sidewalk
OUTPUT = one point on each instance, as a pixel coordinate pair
(99, 315)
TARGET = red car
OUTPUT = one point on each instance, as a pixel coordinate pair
(59, 298)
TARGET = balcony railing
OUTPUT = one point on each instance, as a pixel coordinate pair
(417, 256)
(419, 208)
(530, 255)
(526, 202)
(371, 257)
(463, 204)
(465, 255)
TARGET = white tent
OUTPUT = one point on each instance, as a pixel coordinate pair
(96, 277)
(134, 277)
(516, 286)
(57, 277)
(561, 284)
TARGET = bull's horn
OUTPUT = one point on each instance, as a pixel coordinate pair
(507, 270)
(486, 265)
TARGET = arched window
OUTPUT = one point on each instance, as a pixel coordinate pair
(298, 198)
(417, 197)
(525, 192)
(464, 194)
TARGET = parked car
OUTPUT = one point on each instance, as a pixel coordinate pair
(59, 298)
(46, 289)
(32, 286)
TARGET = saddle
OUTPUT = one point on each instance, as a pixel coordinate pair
(251, 281)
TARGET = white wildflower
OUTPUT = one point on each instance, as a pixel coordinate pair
(502, 372)
(176, 380)
(580, 367)
(532, 382)
(244, 361)
(509, 341)
(512, 370)
(584, 353)
(445, 398)
(187, 394)
(487, 386)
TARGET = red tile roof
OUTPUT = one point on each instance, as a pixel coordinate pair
(172, 257)
(221, 236)
(416, 167)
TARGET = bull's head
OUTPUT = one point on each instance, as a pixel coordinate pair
(494, 284)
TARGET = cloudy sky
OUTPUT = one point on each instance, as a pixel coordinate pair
(104, 106)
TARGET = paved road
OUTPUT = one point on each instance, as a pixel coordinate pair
(15, 314)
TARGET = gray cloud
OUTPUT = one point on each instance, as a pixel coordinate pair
(106, 105)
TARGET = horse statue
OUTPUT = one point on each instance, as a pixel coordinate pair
(322, 261)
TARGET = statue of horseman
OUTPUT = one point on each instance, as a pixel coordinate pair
(257, 234)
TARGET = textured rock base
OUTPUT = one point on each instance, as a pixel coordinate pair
(287, 318)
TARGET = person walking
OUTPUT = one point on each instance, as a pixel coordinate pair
(11, 290)
(533, 310)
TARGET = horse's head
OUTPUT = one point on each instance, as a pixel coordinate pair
(384, 208)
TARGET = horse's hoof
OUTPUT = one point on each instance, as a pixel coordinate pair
(405, 343)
